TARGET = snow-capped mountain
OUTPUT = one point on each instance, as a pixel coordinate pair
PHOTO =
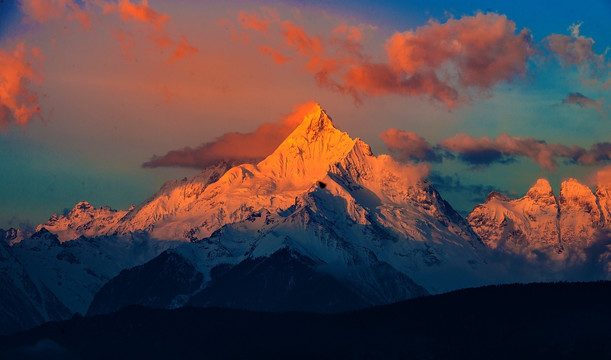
(25, 300)
(325, 207)
(540, 222)
(83, 220)
(321, 224)
(75, 270)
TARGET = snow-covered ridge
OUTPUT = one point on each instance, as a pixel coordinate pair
(194, 208)
(84, 220)
(541, 222)
(321, 194)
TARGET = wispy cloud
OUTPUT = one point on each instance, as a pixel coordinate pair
(602, 177)
(578, 50)
(44, 11)
(583, 101)
(234, 147)
(155, 24)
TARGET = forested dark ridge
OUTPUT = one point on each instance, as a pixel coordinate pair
(534, 321)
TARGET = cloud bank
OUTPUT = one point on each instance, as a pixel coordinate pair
(485, 151)
(234, 147)
(409, 146)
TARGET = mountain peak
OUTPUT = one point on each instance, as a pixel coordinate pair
(541, 188)
(306, 154)
(496, 195)
(574, 189)
(315, 122)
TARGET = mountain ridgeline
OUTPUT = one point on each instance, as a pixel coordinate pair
(321, 224)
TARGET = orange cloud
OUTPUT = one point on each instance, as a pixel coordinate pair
(437, 60)
(18, 104)
(295, 36)
(234, 147)
(351, 32)
(256, 22)
(44, 11)
(278, 58)
(140, 13)
(183, 49)
(155, 21)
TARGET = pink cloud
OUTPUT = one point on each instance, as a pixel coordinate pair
(18, 103)
(484, 150)
(602, 177)
(235, 147)
(439, 61)
(482, 50)
(578, 50)
(574, 49)
(408, 146)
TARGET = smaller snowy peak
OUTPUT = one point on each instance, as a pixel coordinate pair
(572, 190)
(521, 225)
(172, 197)
(83, 220)
(541, 193)
(541, 188)
(496, 196)
(11, 236)
(580, 216)
(82, 206)
(541, 222)
(603, 194)
(576, 198)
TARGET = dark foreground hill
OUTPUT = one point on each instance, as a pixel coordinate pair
(535, 321)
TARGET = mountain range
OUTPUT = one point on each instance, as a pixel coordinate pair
(321, 224)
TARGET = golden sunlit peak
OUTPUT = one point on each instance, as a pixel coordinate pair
(541, 186)
(315, 119)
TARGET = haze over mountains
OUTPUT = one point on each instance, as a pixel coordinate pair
(321, 224)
